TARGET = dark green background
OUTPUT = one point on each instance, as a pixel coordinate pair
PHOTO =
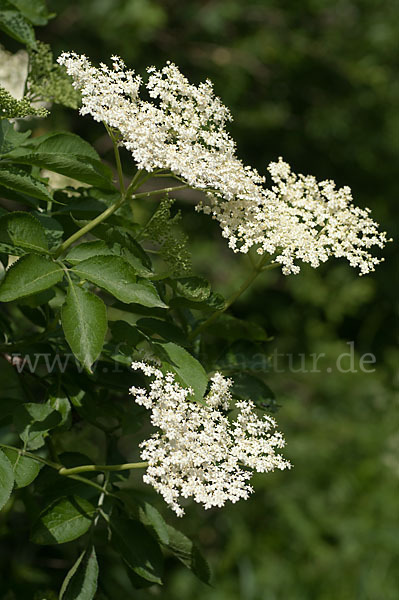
(316, 82)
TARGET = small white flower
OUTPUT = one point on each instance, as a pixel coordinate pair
(198, 451)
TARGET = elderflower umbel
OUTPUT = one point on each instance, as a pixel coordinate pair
(300, 218)
(198, 451)
(182, 129)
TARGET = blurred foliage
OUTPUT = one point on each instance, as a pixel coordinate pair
(316, 82)
(48, 81)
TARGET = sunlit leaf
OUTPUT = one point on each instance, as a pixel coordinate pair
(84, 320)
(64, 520)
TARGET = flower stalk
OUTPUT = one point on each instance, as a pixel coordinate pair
(107, 213)
(103, 468)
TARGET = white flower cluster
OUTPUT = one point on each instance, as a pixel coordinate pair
(182, 129)
(198, 451)
(300, 218)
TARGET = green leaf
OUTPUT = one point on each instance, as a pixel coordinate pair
(87, 250)
(195, 289)
(6, 479)
(14, 24)
(52, 228)
(61, 405)
(188, 553)
(125, 333)
(37, 300)
(67, 154)
(63, 142)
(115, 275)
(11, 387)
(117, 235)
(20, 181)
(249, 387)
(84, 320)
(101, 248)
(13, 250)
(244, 356)
(34, 421)
(135, 261)
(188, 369)
(25, 469)
(146, 513)
(23, 230)
(79, 167)
(52, 486)
(146, 295)
(214, 302)
(29, 275)
(138, 548)
(9, 137)
(64, 520)
(83, 208)
(34, 315)
(81, 581)
(111, 273)
(34, 10)
(167, 331)
(232, 329)
(152, 518)
(18, 197)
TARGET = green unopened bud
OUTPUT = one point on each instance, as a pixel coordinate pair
(173, 243)
(11, 108)
(49, 81)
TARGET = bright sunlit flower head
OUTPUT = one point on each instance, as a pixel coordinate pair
(300, 219)
(181, 128)
(197, 450)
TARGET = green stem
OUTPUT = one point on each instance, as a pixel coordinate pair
(137, 181)
(198, 189)
(104, 515)
(91, 468)
(102, 496)
(118, 166)
(107, 213)
(92, 484)
(257, 269)
(161, 191)
(83, 230)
